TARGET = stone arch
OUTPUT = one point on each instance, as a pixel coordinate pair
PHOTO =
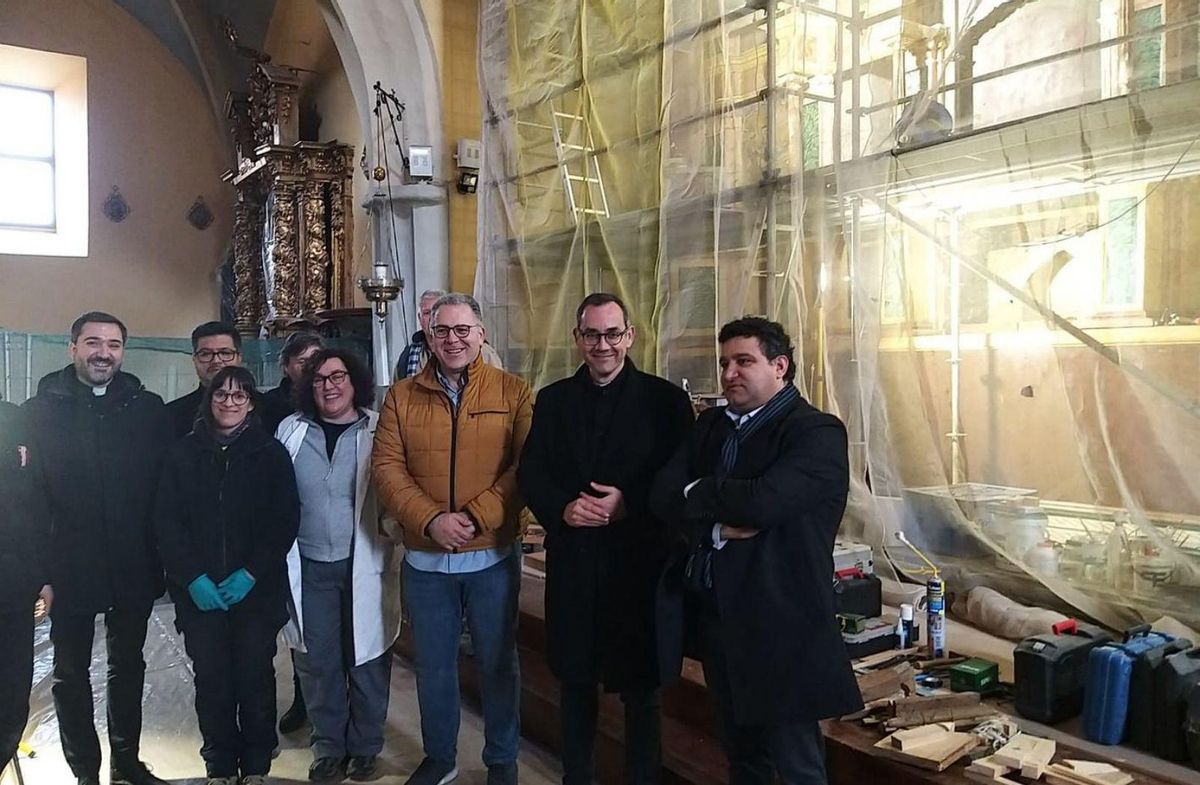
(391, 43)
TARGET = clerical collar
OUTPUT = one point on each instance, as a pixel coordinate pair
(611, 384)
(100, 391)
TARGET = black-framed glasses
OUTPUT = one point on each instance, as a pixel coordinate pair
(335, 378)
(207, 355)
(239, 397)
(592, 337)
(460, 330)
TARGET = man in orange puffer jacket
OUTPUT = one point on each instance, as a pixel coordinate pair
(445, 466)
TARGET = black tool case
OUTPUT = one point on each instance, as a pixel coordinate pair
(1174, 681)
(1143, 707)
(857, 592)
(1050, 671)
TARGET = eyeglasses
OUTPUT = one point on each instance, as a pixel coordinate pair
(460, 330)
(335, 379)
(207, 355)
(592, 337)
(239, 397)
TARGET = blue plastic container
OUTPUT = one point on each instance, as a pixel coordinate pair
(1110, 669)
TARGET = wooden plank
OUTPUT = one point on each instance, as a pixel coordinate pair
(885, 682)
(872, 661)
(975, 776)
(937, 755)
(1075, 772)
(1028, 753)
(922, 703)
(915, 737)
(1037, 758)
(945, 714)
(988, 769)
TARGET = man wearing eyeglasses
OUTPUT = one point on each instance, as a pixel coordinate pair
(597, 439)
(417, 353)
(214, 346)
(444, 466)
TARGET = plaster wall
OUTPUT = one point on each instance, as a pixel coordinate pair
(151, 134)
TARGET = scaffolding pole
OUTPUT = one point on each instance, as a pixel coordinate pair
(771, 175)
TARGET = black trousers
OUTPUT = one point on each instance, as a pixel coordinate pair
(579, 707)
(796, 751)
(232, 654)
(72, 635)
(16, 676)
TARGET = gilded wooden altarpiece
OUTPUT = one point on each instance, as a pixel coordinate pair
(292, 242)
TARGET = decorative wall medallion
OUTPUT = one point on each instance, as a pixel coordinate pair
(116, 209)
(199, 215)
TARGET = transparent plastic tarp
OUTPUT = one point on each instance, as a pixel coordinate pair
(976, 217)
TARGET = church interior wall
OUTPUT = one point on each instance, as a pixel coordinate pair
(153, 136)
(461, 118)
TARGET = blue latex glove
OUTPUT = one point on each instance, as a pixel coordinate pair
(235, 588)
(206, 595)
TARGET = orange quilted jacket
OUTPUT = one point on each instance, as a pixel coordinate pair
(428, 461)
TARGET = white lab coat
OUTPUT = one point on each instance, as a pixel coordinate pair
(376, 555)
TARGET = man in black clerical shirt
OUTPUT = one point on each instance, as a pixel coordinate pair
(596, 441)
(99, 438)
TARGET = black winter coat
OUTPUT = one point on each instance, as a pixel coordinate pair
(23, 525)
(223, 509)
(774, 592)
(276, 404)
(98, 462)
(600, 582)
(184, 411)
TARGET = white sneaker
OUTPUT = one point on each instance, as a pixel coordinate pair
(254, 779)
(221, 781)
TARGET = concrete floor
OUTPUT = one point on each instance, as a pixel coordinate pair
(171, 740)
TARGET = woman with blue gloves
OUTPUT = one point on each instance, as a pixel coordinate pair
(227, 514)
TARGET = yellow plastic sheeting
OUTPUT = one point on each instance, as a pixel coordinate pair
(975, 217)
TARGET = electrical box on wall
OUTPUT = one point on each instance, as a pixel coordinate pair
(420, 162)
(470, 154)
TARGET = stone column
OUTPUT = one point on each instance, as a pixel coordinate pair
(414, 248)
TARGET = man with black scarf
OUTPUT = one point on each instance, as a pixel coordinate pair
(23, 575)
(596, 441)
(100, 438)
(756, 494)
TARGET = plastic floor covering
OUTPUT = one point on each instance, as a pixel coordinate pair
(171, 739)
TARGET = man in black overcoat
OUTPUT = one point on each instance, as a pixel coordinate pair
(597, 439)
(100, 438)
(757, 493)
(23, 577)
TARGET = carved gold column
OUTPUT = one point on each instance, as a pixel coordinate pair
(315, 292)
(341, 250)
(247, 273)
(284, 292)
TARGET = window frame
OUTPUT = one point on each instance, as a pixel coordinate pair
(52, 160)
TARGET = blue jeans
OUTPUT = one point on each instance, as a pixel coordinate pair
(436, 603)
